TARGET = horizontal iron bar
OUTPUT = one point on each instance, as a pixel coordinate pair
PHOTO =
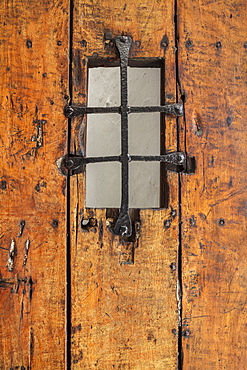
(177, 158)
(72, 111)
(86, 160)
(171, 109)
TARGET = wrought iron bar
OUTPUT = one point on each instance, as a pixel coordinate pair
(175, 158)
(123, 225)
(72, 111)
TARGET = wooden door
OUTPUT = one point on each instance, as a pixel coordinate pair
(74, 295)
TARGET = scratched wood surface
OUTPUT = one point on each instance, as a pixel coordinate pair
(123, 315)
(212, 67)
(33, 50)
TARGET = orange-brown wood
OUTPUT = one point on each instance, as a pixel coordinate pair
(123, 315)
(34, 43)
(212, 71)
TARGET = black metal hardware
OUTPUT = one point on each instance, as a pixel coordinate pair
(76, 162)
(70, 163)
(72, 111)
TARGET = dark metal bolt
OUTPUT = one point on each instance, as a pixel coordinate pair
(108, 35)
(29, 44)
(186, 333)
(189, 43)
(218, 45)
(54, 224)
(173, 266)
(167, 223)
(222, 222)
(173, 213)
(164, 42)
(3, 184)
(193, 221)
(22, 223)
(83, 43)
(68, 163)
(137, 43)
(229, 121)
(84, 222)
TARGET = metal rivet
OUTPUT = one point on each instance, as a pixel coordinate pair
(189, 43)
(137, 43)
(218, 45)
(186, 333)
(55, 224)
(222, 222)
(167, 223)
(108, 35)
(173, 266)
(3, 185)
(69, 163)
(164, 42)
(83, 43)
(193, 221)
(229, 121)
(29, 44)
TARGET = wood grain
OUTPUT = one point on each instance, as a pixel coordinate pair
(212, 71)
(124, 308)
(123, 315)
(33, 51)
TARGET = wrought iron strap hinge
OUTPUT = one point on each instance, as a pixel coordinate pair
(123, 225)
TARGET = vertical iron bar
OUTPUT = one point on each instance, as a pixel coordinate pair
(123, 224)
(124, 128)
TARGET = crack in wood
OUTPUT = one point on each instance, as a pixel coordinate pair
(12, 250)
(26, 250)
(12, 283)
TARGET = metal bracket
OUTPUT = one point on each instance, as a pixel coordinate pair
(75, 164)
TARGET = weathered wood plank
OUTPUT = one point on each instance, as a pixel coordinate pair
(33, 51)
(123, 316)
(212, 67)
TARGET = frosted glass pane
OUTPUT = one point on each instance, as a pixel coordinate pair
(144, 134)
(104, 138)
(103, 135)
(103, 87)
(144, 185)
(144, 86)
(103, 185)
